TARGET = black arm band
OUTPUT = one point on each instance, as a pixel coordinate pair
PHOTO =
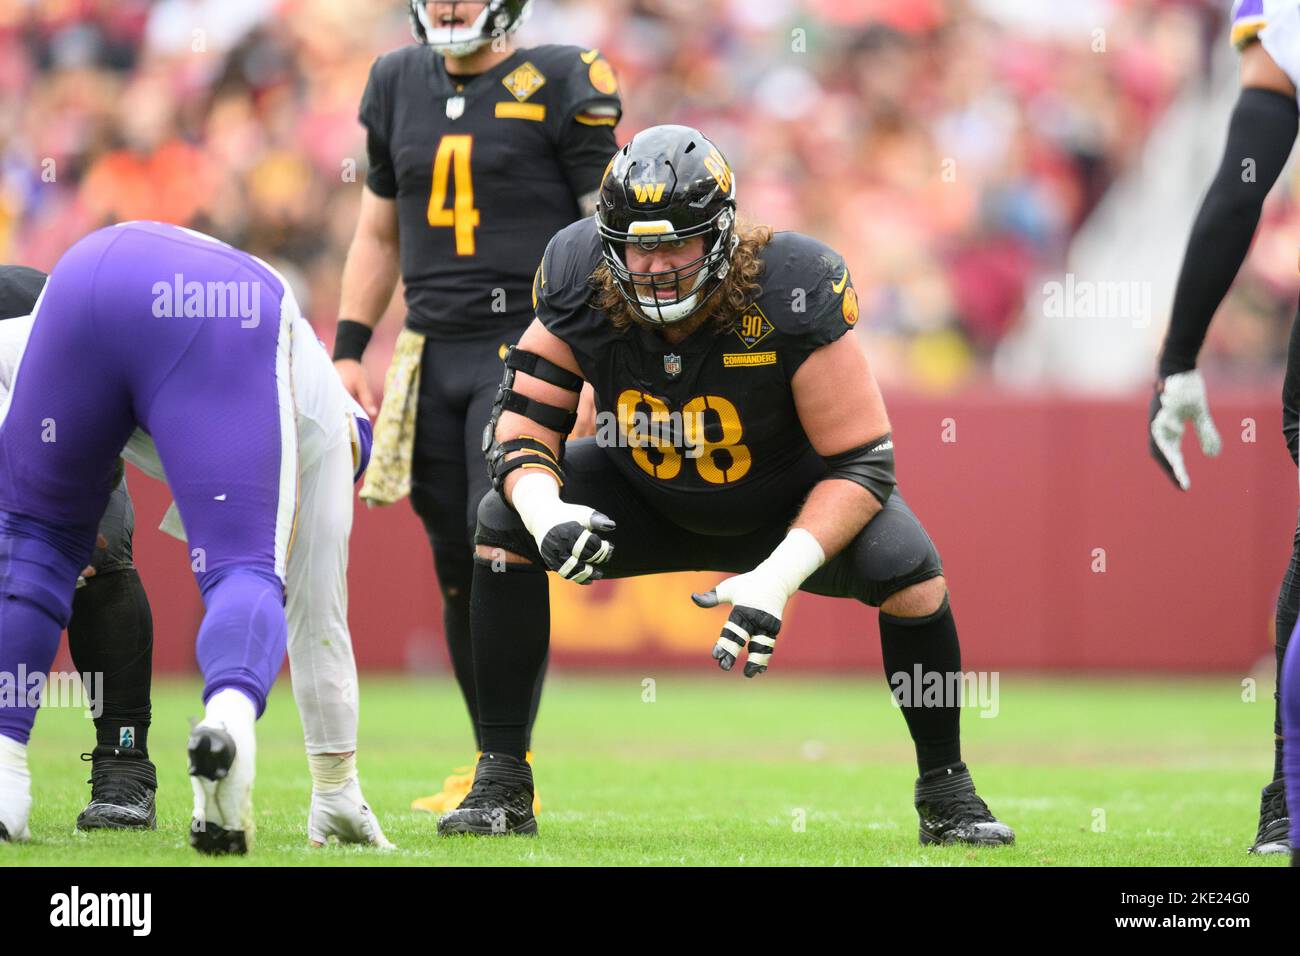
(539, 454)
(351, 339)
(530, 363)
(1260, 136)
(526, 461)
(548, 416)
(871, 466)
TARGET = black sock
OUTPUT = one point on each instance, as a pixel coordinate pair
(110, 635)
(455, 569)
(537, 700)
(511, 614)
(929, 643)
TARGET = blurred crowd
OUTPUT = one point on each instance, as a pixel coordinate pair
(949, 148)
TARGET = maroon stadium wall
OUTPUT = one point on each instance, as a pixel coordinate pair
(1065, 549)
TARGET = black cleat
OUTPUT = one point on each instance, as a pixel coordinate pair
(952, 812)
(1273, 835)
(212, 752)
(499, 803)
(123, 782)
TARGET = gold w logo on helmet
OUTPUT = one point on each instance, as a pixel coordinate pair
(648, 192)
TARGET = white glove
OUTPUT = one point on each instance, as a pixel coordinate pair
(758, 600)
(567, 536)
(1179, 399)
(345, 815)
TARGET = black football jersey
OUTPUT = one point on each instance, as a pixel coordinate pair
(706, 429)
(484, 172)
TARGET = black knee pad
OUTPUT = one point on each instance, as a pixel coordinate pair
(499, 526)
(892, 553)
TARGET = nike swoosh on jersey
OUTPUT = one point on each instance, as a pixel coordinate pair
(838, 287)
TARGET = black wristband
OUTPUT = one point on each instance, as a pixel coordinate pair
(351, 339)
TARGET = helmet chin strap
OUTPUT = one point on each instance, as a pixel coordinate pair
(460, 41)
(681, 308)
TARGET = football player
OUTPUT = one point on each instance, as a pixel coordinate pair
(739, 430)
(1260, 136)
(261, 446)
(479, 153)
(111, 629)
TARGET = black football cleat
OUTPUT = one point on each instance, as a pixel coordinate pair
(1273, 835)
(212, 753)
(499, 803)
(952, 812)
(123, 782)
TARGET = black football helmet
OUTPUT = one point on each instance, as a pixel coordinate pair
(497, 18)
(668, 183)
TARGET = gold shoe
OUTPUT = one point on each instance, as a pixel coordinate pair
(454, 789)
(456, 786)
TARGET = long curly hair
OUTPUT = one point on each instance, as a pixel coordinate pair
(723, 307)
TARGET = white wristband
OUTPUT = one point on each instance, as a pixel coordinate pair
(794, 560)
(534, 496)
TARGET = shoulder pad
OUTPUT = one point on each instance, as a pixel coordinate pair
(383, 85)
(586, 87)
(560, 288)
(808, 295)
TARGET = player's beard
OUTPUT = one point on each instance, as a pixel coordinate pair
(722, 307)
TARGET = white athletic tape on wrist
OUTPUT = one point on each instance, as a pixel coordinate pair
(794, 560)
(536, 496)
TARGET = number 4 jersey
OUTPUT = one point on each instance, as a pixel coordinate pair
(706, 429)
(484, 171)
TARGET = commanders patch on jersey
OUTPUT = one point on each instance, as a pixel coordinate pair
(849, 306)
(747, 359)
(753, 326)
(600, 73)
(523, 81)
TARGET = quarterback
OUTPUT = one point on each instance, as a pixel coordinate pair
(479, 152)
(260, 445)
(753, 439)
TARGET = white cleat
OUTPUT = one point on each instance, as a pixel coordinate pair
(344, 815)
(221, 776)
(15, 792)
(223, 762)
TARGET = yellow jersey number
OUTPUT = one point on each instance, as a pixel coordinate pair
(655, 453)
(452, 163)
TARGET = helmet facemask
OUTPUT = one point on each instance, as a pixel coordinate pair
(493, 20)
(693, 283)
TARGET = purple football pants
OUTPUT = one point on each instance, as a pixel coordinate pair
(147, 325)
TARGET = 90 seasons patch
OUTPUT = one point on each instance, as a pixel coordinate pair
(523, 81)
(753, 326)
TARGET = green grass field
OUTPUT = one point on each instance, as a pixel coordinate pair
(718, 770)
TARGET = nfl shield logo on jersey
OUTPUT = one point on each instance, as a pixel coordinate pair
(455, 107)
(672, 365)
